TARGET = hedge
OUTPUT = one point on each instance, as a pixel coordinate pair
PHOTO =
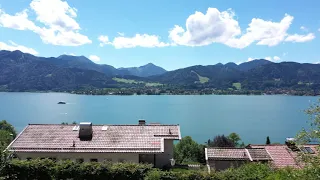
(48, 169)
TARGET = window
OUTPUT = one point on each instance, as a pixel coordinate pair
(309, 150)
(80, 160)
(306, 150)
(65, 159)
(28, 158)
(93, 160)
(303, 149)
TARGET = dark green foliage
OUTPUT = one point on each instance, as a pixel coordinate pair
(188, 151)
(146, 70)
(4, 125)
(24, 72)
(268, 140)
(221, 141)
(235, 138)
(47, 169)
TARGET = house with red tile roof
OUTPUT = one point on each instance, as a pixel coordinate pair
(218, 158)
(140, 143)
(278, 155)
(283, 155)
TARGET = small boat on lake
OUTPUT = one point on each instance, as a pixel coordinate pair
(62, 102)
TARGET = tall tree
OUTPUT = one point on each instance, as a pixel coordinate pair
(235, 138)
(7, 134)
(311, 134)
(4, 125)
(221, 141)
(268, 140)
(187, 150)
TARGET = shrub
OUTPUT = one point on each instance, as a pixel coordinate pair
(48, 169)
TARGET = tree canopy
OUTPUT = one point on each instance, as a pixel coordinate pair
(221, 141)
(187, 150)
(235, 138)
(4, 125)
(268, 140)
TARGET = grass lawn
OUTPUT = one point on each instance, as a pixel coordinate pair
(237, 85)
(129, 81)
(202, 79)
(153, 84)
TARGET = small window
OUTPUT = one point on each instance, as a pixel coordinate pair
(93, 160)
(121, 160)
(65, 159)
(28, 158)
(303, 149)
(80, 160)
(309, 150)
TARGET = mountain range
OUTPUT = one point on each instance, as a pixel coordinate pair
(24, 72)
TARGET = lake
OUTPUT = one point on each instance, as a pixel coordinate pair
(202, 117)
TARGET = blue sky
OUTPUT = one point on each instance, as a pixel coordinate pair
(171, 34)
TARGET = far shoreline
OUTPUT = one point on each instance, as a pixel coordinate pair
(58, 92)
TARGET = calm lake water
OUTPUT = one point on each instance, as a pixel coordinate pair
(202, 117)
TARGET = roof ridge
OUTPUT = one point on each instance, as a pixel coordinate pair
(225, 148)
(108, 124)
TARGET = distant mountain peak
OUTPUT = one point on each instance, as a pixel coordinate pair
(146, 70)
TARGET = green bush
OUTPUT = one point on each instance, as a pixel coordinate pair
(48, 169)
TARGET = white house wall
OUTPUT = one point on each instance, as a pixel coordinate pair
(114, 157)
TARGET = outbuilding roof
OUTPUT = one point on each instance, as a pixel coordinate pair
(259, 154)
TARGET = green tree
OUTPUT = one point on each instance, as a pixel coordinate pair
(220, 141)
(187, 150)
(4, 125)
(235, 138)
(311, 134)
(7, 134)
(268, 140)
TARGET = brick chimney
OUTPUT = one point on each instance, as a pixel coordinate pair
(142, 122)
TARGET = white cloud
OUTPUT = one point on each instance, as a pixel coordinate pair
(57, 17)
(13, 46)
(204, 29)
(71, 54)
(319, 29)
(94, 58)
(121, 33)
(300, 38)
(276, 58)
(222, 27)
(104, 40)
(268, 58)
(139, 40)
(263, 32)
(19, 21)
(304, 28)
(143, 40)
(56, 14)
(284, 54)
(250, 59)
